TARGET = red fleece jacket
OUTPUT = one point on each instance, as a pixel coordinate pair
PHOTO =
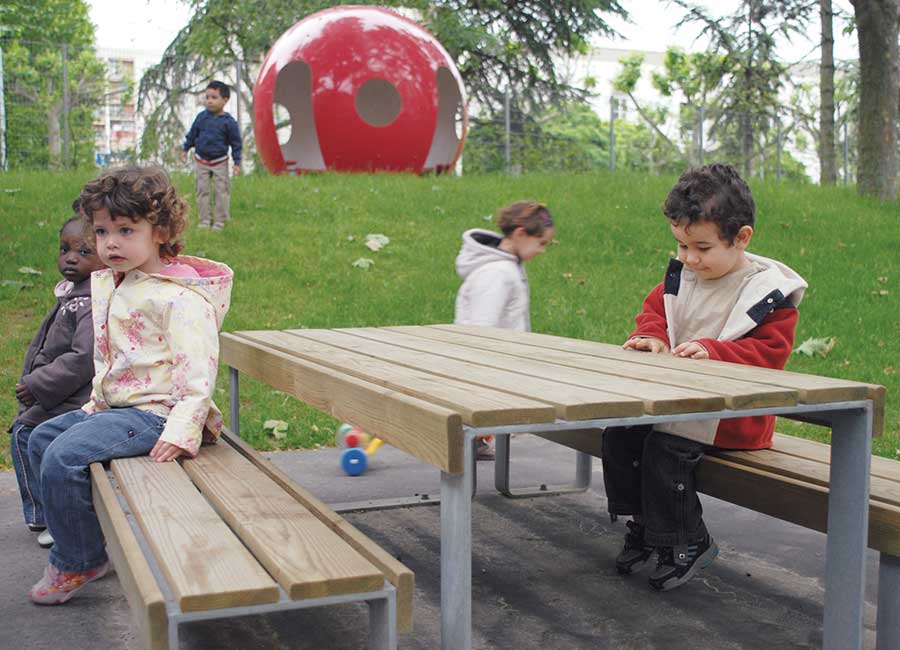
(768, 346)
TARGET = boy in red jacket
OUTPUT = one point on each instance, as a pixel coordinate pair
(716, 302)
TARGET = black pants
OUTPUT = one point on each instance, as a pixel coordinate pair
(651, 474)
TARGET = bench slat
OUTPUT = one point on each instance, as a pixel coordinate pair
(394, 571)
(306, 558)
(484, 368)
(802, 448)
(205, 565)
(145, 598)
(484, 408)
(430, 432)
(737, 393)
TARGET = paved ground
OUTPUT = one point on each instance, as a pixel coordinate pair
(542, 574)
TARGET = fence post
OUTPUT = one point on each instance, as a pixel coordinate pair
(700, 131)
(65, 115)
(778, 147)
(846, 156)
(506, 126)
(4, 165)
(237, 92)
(612, 133)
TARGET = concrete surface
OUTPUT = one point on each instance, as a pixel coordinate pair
(543, 575)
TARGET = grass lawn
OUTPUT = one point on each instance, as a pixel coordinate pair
(293, 240)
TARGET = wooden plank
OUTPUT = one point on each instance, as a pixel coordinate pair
(394, 571)
(205, 565)
(569, 402)
(306, 558)
(737, 393)
(145, 598)
(482, 408)
(429, 432)
(812, 389)
(820, 452)
(530, 378)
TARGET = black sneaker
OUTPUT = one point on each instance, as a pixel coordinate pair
(636, 552)
(677, 565)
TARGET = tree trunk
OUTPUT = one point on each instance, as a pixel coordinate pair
(54, 134)
(827, 167)
(877, 24)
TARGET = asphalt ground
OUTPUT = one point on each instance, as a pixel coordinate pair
(543, 574)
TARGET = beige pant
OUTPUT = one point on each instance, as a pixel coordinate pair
(218, 176)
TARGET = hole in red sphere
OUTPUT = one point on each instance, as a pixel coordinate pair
(378, 102)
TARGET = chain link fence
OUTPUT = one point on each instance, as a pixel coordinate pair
(63, 107)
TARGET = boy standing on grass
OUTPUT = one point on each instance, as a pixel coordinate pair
(212, 132)
(716, 302)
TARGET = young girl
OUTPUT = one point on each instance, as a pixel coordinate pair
(156, 319)
(495, 288)
(56, 375)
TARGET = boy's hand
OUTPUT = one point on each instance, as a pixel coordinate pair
(24, 395)
(646, 344)
(165, 451)
(237, 170)
(690, 350)
(184, 156)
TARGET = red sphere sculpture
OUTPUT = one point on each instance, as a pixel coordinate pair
(366, 89)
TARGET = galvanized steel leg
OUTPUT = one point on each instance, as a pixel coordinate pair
(848, 521)
(173, 634)
(888, 625)
(234, 401)
(456, 556)
(501, 474)
(383, 622)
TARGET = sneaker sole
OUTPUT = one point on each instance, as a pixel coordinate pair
(636, 567)
(702, 562)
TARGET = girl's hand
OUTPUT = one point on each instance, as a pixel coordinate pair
(24, 395)
(646, 344)
(690, 350)
(165, 451)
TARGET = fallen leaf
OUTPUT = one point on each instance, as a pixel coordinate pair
(882, 292)
(488, 217)
(27, 270)
(890, 370)
(363, 263)
(567, 276)
(17, 284)
(883, 279)
(817, 347)
(278, 428)
(12, 190)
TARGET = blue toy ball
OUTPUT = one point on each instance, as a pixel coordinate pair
(354, 461)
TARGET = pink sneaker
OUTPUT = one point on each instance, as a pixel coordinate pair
(56, 587)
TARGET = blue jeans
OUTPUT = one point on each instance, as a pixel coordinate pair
(61, 451)
(18, 448)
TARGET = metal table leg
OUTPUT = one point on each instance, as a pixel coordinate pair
(456, 555)
(501, 474)
(848, 521)
(888, 625)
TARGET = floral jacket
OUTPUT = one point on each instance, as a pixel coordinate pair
(156, 346)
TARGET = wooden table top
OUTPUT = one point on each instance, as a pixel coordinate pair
(416, 386)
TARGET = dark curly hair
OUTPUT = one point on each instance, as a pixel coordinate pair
(139, 193)
(713, 193)
(534, 217)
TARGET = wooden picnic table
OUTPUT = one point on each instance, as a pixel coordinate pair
(429, 390)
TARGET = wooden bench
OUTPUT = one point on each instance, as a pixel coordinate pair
(790, 482)
(228, 534)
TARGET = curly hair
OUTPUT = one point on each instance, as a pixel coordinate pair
(534, 217)
(713, 193)
(139, 193)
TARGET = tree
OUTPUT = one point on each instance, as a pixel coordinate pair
(877, 26)
(827, 168)
(498, 46)
(748, 102)
(34, 34)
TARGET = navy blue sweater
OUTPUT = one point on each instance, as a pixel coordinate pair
(210, 136)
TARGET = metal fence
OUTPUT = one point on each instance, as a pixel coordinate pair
(64, 107)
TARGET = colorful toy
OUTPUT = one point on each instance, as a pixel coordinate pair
(366, 89)
(358, 446)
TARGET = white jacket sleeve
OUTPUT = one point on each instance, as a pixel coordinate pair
(485, 298)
